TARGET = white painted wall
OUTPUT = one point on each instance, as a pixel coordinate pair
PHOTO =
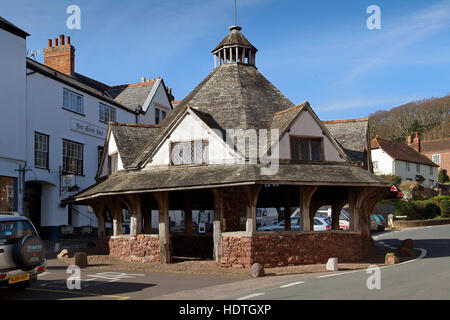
(46, 115)
(158, 100)
(387, 165)
(192, 128)
(305, 125)
(12, 108)
(111, 148)
(383, 160)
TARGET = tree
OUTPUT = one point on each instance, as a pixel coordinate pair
(443, 176)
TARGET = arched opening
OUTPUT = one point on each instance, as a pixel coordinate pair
(191, 217)
(277, 208)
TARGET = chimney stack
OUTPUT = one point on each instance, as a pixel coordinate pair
(60, 57)
(414, 142)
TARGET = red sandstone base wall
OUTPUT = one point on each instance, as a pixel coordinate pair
(144, 248)
(293, 249)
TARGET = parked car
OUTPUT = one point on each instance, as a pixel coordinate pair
(22, 252)
(382, 222)
(344, 217)
(344, 220)
(377, 223)
(320, 224)
(266, 216)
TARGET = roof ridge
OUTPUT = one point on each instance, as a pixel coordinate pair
(137, 84)
(141, 125)
(291, 108)
(345, 120)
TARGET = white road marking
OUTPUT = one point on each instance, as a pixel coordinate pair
(292, 284)
(381, 242)
(43, 273)
(251, 296)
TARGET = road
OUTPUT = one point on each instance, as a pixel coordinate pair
(427, 277)
(110, 285)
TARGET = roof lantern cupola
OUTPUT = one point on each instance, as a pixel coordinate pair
(235, 48)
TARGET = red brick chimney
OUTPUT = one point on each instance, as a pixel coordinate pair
(414, 142)
(60, 57)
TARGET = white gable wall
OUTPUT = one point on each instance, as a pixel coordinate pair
(159, 101)
(111, 149)
(306, 125)
(384, 162)
(191, 128)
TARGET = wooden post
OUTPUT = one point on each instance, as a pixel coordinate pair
(354, 214)
(287, 218)
(218, 225)
(188, 215)
(99, 209)
(361, 214)
(336, 208)
(117, 218)
(252, 199)
(164, 241)
(135, 207)
(306, 194)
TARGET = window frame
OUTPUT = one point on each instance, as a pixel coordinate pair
(76, 95)
(292, 138)
(407, 166)
(79, 162)
(438, 155)
(100, 150)
(189, 142)
(47, 151)
(157, 116)
(418, 167)
(375, 165)
(111, 111)
(114, 155)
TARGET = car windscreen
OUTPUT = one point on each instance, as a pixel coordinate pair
(12, 231)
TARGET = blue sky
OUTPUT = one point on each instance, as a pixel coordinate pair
(317, 51)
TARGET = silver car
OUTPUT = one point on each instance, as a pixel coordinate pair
(22, 252)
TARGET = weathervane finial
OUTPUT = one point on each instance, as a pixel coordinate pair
(235, 12)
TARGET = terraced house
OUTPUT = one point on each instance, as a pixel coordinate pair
(190, 175)
(54, 122)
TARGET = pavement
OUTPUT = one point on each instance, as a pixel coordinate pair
(426, 277)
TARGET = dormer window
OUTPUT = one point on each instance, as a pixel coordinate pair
(189, 153)
(113, 162)
(306, 149)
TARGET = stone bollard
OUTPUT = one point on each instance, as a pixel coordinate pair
(63, 254)
(391, 258)
(332, 264)
(57, 247)
(407, 248)
(257, 270)
(81, 259)
(391, 221)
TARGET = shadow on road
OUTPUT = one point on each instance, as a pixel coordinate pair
(56, 290)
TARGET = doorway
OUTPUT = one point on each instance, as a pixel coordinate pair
(32, 204)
